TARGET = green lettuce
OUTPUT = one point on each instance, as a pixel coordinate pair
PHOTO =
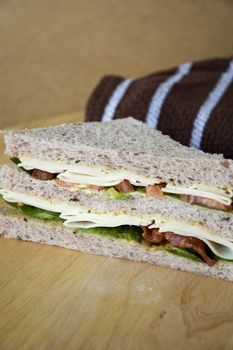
(35, 212)
(184, 253)
(140, 189)
(114, 194)
(129, 233)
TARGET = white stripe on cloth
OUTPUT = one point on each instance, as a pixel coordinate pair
(213, 99)
(161, 93)
(115, 99)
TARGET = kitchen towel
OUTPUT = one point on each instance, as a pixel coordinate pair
(193, 103)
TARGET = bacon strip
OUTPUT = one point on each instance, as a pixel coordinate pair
(98, 188)
(190, 243)
(124, 186)
(207, 202)
(153, 235)
(154, 190)
(43, 175)
(174, 240)
(64, 183)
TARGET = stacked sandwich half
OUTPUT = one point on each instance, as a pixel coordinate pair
(120, 189)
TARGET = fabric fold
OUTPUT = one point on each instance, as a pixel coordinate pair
(173, 101)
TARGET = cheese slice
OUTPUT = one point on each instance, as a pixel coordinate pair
(219, 246)
(78, 217)
(85, 174)
(94, 175)
(206, 191)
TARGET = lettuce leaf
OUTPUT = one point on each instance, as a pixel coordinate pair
(114, 194)
(35, 212)
(140, 189)
(129, 233)
(184, 253)
(39, 213)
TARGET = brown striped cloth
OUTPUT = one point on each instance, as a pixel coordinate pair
(193, 103)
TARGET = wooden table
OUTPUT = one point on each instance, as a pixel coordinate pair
(54, 298)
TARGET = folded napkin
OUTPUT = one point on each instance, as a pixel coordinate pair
(193, 103)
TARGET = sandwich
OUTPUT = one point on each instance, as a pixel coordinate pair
(123, 189)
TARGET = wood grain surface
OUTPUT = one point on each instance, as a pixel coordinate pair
(54, 298)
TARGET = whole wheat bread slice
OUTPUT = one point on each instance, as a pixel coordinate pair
(215, 221)
(17, 226)
(122, 144)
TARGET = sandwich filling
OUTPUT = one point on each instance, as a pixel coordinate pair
(157, 229)
(92, 178)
